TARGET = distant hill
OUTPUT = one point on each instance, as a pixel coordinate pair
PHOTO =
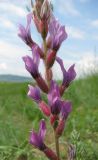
(14, 78)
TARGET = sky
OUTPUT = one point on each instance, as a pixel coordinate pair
(80, 18)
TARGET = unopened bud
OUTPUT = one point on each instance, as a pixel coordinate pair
(49, 42)
(50, 154)
(45, 11)
(50, 59)
(53, 118)
(60, 128)
(44, 108)
(36, 21)
(42, 84)
(41, 25)
(43, 28)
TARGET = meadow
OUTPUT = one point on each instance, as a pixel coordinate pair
(19, 114)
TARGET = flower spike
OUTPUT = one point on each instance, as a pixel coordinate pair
(56, 109)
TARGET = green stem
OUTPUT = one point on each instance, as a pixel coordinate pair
(45, 49)
(57, 145)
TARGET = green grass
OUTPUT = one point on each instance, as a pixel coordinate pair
(18, 114)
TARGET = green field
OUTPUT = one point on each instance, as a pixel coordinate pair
(18, 115)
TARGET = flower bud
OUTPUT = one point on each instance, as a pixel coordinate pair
(42, 84)
(53, 118)
(50, 59)
(43, 28)
(49, 43)
(50, 154)
(41, 25)
(45, 10)
(41, 16)
(36, 21)
(44, 108)
(60, 128)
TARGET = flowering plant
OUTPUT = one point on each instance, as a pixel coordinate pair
(57, 110)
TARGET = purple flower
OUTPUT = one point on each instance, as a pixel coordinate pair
(32, 64)
(54, 98)
(54, 92)
(57, 33)
(65, 110)
(24, 33)
(68, 76)
(34, 93)
(37, 139)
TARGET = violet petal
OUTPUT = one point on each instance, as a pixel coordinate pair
(34, 93)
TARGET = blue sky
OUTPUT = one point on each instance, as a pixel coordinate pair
(80, 18)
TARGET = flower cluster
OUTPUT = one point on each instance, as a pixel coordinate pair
(56, 109)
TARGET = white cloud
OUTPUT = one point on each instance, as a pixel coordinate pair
(9, 50)
(94, 23)
(11, 55)
(87, 64)
(75, 33)
(67, 6)
(6, 23)
(13, 9)
(11, 61)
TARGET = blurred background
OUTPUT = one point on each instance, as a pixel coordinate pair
(17, 112)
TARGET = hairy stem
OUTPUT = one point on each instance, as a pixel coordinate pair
(45, 56)
(57, 145)
(45, 48)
